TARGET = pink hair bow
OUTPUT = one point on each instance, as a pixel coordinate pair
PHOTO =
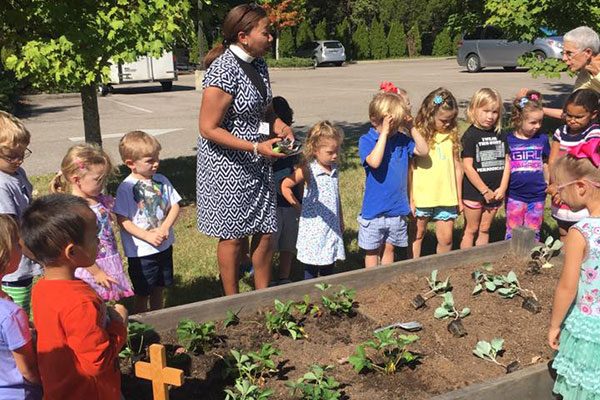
(388, 87)
(587, 150)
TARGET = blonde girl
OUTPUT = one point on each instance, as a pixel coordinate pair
(436, 177)
(486, 166)
(320, 232)
(575, 322)
(83, 172)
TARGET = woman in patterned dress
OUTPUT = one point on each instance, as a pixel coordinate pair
(234, 180)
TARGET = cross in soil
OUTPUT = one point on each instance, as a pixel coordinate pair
(158, 372)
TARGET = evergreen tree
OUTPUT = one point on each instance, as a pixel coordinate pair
(304, 34)
(342, 33)
(286, 42)
(396, 40)
(457, 39)
(413, 39)
(377, 40)
(321, 30)
(360, 41)
(443, 46)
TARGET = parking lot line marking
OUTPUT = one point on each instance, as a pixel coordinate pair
(130, 106)
(153, 132)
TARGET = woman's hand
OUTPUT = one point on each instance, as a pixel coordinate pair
(283, 131)
(266, 148)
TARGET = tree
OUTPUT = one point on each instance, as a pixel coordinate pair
(321, 30)
(377, 40)
(286, 43)
(396, 40)
(360, 41)
(342, 33)
(283, 14)
(413, 39)
(443, 45)
(304, 34)
(71, 44)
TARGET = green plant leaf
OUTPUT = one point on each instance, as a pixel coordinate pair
(323, 286)
(478, 288)
(484, 347)
(441, 313)
(512, 277)
(448, 299)
(557, 245)
(497, 344)
(549, 241)
(490, 286)
(488, 266)
(465, 311)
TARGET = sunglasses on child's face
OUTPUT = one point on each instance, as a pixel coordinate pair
(564, 185)
(13, 158)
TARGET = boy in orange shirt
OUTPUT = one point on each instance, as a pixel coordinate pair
(79, 338)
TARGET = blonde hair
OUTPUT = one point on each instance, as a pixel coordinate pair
(568, 168)
(323, 130)
(12, 131)
(9, 236)
(532, 101)
(388, 103)
(77, 162)
(439, 99)
(482, 98)
(135, 145)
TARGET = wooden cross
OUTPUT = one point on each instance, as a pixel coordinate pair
(158, 372)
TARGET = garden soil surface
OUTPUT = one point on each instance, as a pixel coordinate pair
(446, 362)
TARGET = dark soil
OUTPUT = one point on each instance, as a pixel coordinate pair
(447, 361)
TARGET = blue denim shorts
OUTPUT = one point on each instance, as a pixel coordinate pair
(148, 272)
(372, 233)
(437, 213)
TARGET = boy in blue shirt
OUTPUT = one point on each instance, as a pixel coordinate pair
(385, 153)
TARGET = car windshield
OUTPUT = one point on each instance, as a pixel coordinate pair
(333, 45)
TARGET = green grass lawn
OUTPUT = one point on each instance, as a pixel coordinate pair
(196, 271)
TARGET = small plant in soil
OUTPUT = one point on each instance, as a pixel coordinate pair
(283, 322)
(231, 319)
(507, 286)
(244, 390)
(306, 307)
(253, 367)
(341, 302)
(389, 352)
(315, 385)
(436, 287)
(490, 351)
(448, 310)
(139, 337)
(195, 337)
(541, 255)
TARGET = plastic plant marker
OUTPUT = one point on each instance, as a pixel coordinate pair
(411, 326)
(158, 372)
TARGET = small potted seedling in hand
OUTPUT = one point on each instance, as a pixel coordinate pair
(448, 310)
(436, 287)
(541, 255)
(489, 351)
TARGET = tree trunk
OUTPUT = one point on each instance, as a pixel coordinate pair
(91, 117)
(202, 42)
(277, 47)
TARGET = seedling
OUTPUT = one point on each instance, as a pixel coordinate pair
(489, 351)
(282, 321)
(253, 367)
(286, 146)
(448, 310)
(315, 385)
(196, 337)
(231, 319)
(507, 286)
(305, 307)
(542, 254)
(244, 390)
(436, 287)
(390, 352)
(341, 302)
(139, 337)
(486, 280)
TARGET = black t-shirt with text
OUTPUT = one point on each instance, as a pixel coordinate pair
(488, 152)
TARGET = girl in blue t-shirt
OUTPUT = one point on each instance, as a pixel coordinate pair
(19, 376)
(528, 152)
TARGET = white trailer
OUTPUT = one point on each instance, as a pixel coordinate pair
(145, 69)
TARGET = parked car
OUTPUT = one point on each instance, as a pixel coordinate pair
(323, 52)
(487, 47)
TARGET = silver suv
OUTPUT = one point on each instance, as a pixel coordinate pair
(323, 52)
(486, 47)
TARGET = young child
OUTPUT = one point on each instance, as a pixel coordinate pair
(320, 232)
(84, 171)
(437, 176)
(528, 153)
(147, 206)
(19, 377)
(580, 112)
(284, 240)
(385, 153)
(78, 337)
(486, 166)
(575, 323)
(15, 196)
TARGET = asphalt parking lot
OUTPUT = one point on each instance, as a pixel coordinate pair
(340, 94)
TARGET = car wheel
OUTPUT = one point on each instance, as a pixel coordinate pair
(315, 63)
(509, 68)
(539, 55)
(339, 63)
(473, 63)
(167, 86)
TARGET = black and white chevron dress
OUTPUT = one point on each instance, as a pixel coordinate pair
(235, 190)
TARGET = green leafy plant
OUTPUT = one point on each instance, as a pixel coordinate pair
(282, 321)
(436, 287)
(315, 385)
(489, 350)
(447, 309)
(389, 352)
(244, 390)
(195, 337)
(306, 307)
(544, 252)
(507, 286)
(231, 319)
(486, 280)
(252, 366)
(341, 302)
(138, 335)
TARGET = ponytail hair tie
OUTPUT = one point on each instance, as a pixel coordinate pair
(587, 150)
(388, 87)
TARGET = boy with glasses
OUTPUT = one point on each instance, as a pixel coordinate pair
(15, 196)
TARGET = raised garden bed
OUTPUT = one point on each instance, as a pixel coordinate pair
(444, 366)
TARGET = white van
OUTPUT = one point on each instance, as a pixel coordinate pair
(145, 69)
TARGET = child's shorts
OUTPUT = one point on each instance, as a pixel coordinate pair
(287, 229)
(148, 272)
(444, 213)
(372, 233)
(478, 205)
